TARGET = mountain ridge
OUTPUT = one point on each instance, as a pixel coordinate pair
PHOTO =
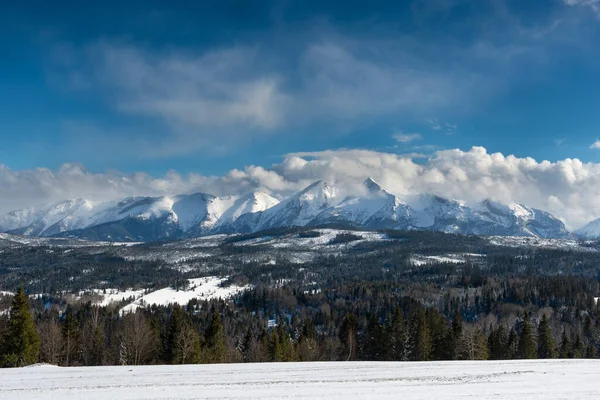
(145, 218)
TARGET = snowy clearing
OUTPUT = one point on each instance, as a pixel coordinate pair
(199, 288)
(110, 296)
(507, 380)
(525, 241)
(461, 258)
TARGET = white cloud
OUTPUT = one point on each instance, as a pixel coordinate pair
(595, 145)
(181, 101)
(434, 123)
(568, 188)
(402, 137)
(593, 5)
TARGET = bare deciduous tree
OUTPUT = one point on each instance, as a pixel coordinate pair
(472, 344)
(137, 340)
(188, 343)
(52, 342)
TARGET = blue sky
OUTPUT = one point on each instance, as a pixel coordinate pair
(461, 98)
(210, 86)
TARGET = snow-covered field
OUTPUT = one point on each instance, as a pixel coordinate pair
(507, 380)
(199, 288)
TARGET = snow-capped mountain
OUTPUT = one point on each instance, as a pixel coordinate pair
(135, 218)
(589, 231)
(199, 214)
(299, 209)
(377, 209)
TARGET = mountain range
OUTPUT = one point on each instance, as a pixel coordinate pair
(200, 214)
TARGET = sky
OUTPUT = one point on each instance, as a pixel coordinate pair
(465, 98)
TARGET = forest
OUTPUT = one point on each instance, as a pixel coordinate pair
(368, 302)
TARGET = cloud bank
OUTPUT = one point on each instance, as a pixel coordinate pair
(568, 188)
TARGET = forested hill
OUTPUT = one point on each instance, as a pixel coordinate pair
(302, 295)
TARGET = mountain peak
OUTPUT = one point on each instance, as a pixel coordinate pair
(371, 185)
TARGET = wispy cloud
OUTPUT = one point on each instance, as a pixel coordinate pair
(198, 99)
(593, 5)
(451, 128)
(435, 124)
(595, 145)
(402, 137)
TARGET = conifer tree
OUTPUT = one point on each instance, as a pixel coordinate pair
(70, 337)
(307, 347)
(498, 348)
(527, 341)
(348, 337)
(512, 347)
(578, 347)
(373, 344)
(215, 340)
(546, 344)
(565, 346)
(247, 344)
(421, 337)
(22, 342)
(176, 324)
(398, 337)
(275, 348)
(590, 351)
(455, 333)
(286, 347)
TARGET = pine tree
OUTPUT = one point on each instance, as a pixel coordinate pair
(176, 324)
(70, 337)
(22, 342)
(455, 333)
(307, 348)
(578, 348)
(348, 337)
(247, 344)
(373, 344)
(546, 344)
(215, 340)
(286, 346)
(275, 348)
(527, 341)
(512, 347)
(565, 346)
(498, 348)
(397, 336)
(421, 337)
(590, 351)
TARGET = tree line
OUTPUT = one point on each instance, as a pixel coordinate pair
(503, 318)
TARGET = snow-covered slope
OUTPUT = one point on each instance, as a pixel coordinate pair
(199, 288)
(246, 212)
(590, 231)
(377, 209)
(299, 209)
(135, 218)
(493, 218)
(53, 218)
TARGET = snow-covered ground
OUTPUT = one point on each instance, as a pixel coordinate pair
(199, 288)
(108, 296)
(507, 380)
(319, 242)
(458, 258)
(523, 241)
